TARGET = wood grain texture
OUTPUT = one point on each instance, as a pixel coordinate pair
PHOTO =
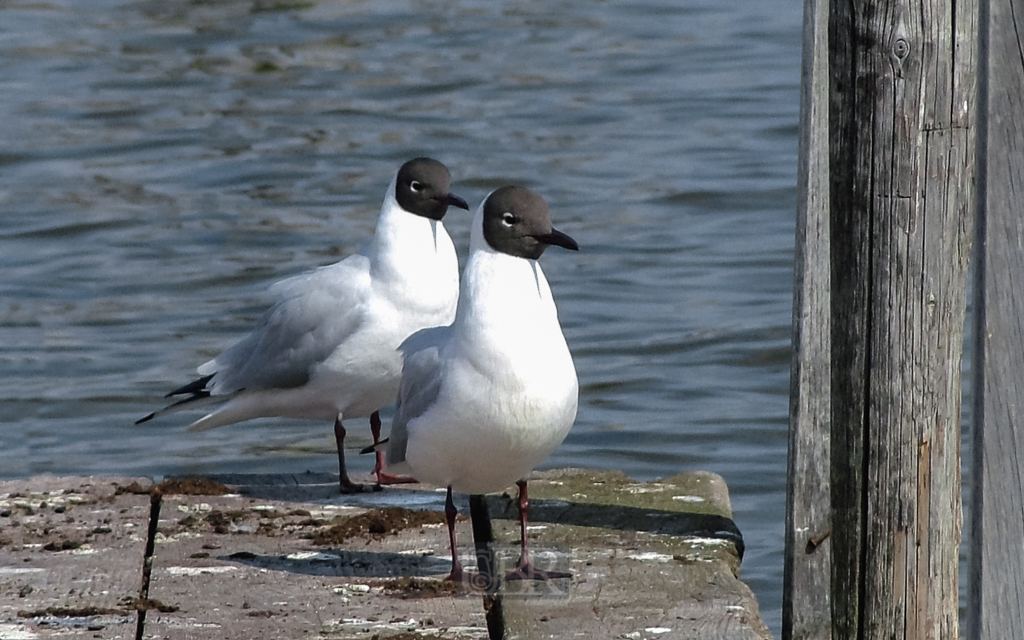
(997, 528)
(901, 211)
(806, 575)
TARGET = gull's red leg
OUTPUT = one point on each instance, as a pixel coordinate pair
(345, 484)
(378, 468)
(457, 574)
(524, 569)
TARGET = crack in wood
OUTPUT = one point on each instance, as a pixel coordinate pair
(155, 500)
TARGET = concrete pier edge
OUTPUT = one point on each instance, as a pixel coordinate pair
(286, 556)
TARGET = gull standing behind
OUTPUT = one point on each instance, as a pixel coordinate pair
(485, 400)
(328, 348)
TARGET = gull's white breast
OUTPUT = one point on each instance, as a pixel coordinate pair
(509, 391)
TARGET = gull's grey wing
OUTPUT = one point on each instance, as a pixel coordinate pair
(314, 313)
(422, 375)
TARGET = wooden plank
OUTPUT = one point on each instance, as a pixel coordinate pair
(996, 593)
(901, 213)
(806, 574)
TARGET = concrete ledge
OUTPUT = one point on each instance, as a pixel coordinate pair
(286, 556)
(649, 560)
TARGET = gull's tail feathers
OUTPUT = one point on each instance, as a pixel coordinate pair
(381, 446)
(198, 396)
(395, 468)
(238, 408)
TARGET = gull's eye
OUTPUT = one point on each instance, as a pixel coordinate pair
(416, 186)
(508, 219)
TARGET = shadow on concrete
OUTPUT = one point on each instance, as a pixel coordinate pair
(584, 514)
(323, 488)
(346, 563)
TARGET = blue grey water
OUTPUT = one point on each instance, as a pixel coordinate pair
(162, 162)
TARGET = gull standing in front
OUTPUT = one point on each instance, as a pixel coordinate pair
(485, 400)
(328, 348)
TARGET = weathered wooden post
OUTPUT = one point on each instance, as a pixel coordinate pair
(805, 600)
(901, 121)
(996, 606)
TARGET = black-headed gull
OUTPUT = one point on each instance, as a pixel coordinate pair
(488, 398)
(328, 348)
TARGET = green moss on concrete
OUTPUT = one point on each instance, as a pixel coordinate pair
(698, 492)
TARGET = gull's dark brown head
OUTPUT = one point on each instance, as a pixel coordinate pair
(517, 222)
(423, 188)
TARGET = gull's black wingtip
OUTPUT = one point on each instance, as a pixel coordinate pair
(146, 418)
(373, 447)
(196, 387)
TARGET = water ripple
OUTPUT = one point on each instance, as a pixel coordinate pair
(165, 161)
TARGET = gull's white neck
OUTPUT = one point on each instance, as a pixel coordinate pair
(403, 240)
(507, 296)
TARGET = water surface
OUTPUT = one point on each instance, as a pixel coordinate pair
(163, 162)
